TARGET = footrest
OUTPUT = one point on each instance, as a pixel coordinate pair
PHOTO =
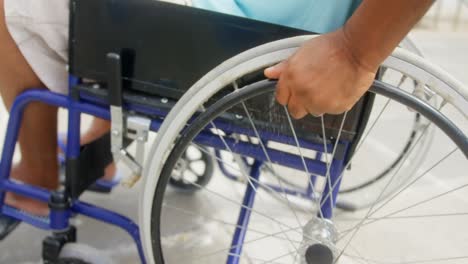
(89, 167)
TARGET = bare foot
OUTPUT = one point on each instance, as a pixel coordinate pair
(29, 205)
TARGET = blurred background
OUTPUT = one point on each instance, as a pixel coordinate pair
(447, 15)
(442, 36)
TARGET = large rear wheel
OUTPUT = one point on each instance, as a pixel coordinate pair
(398, 210)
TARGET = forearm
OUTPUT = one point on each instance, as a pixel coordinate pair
(378, 26)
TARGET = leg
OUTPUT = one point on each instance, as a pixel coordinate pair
(98, 128)
(38, 165)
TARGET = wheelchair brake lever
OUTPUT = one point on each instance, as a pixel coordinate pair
(133, 127)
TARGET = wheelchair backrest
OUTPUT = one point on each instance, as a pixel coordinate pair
(165, 47)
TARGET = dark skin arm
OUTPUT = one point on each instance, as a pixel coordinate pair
(329, 73)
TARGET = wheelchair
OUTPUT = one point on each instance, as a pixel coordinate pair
(330, 189)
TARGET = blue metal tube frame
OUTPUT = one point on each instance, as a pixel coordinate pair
(268, 136)
(224, 125)
(112, 218)
(256, 152)
(289, 191)
(244, 216)
(76, 108)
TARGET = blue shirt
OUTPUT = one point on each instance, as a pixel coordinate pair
(318, 16)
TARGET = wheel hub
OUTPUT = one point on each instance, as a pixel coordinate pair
(318, 244)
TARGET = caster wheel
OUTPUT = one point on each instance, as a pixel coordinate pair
(193, 170)
(74, 253)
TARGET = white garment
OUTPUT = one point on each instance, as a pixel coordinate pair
(40, 29)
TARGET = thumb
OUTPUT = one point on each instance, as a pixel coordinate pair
(275, 72)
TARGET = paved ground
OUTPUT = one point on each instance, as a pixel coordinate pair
(449, 50)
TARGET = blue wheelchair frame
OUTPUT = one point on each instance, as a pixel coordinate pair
(59, 217)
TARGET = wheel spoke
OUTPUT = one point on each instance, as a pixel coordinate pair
(270, 190)
(359, 258)
(415, 180)
(409, 262)
(358, 148)
(244, 173)
(464, 214)
(270, 163)
(279, 257)
(403, 209)
(265, 235)
(385, 188)
(440, 161)
(298, 146)
(274, 235)
(281, 224)
(328, 176)
(276, 227)
(246, 207)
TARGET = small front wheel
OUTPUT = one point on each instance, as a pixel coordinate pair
(75, 253)
(193, 170)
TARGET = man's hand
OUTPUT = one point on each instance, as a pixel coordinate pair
(331, 72)
(323, 76)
